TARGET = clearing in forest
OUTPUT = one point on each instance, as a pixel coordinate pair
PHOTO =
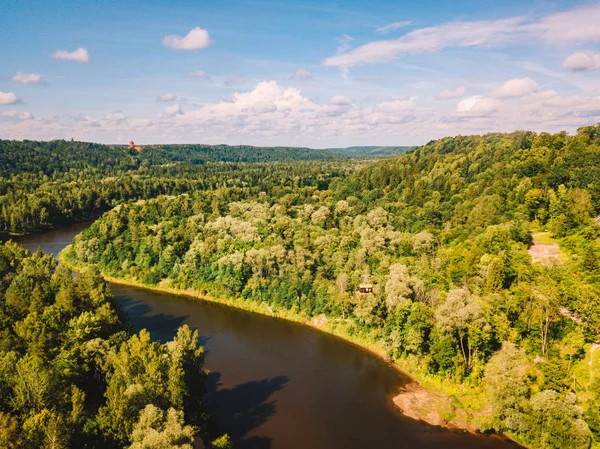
(544, 249)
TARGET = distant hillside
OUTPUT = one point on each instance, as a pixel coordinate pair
(198, 154)
(370, 151)
(60, 156)
(477, 181)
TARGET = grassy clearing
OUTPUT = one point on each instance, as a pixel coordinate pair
(546, 250)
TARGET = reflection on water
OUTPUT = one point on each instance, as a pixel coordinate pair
(279, 385)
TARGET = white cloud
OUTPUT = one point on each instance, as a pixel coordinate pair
(8, 98)
(115, 117)
(424, 40)
(397, 105)
(15, 115)
(79, 55)
(302, 75)
(196, 39)
(575, 26)
(451, 94)
(27, 78)
(270, 114)
(393, 27)
(340, 100)
(581, 61)
(198, 74)
(169, 96)
(269, 108)
(87, 121)
(173, 110)
(515, 88)
(477, 105)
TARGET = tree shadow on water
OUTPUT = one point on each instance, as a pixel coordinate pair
(239, 410)
(161, 326)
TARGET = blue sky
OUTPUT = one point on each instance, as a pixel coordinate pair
(295, 73)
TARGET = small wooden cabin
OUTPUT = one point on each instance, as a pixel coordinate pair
(365, 286)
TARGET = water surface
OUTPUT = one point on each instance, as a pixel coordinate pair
(275, 384)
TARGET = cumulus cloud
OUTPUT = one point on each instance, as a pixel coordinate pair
(582, 61)
(515, 88)
(393, 27)
(8, 98)
(115, 117)
(451, 94)
(302, 75)
(27, 78)
(87, 121)
(169, 96)
(270, 114)
(477, 105)
(80, 55)
(196, 39)
(198, 74)
(575, 26)
(269, 108)
(173, 110)
(340, 100)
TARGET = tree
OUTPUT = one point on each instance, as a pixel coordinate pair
(401, 287)
(557, 421)
(10, 437)
(507, 388)
(545, 297)
(459, 317)
(154, 430)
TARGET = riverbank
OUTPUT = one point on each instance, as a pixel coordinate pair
(419, 399)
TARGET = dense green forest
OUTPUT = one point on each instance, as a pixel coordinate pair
(60, 156)
(370, 151)
(74, 375)
(443, 234)
(46, 184)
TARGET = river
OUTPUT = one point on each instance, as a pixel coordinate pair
(275, 384)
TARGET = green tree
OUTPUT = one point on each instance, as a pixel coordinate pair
(508, 390)
(459, 317)
(154, 430)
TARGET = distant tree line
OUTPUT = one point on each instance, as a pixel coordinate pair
(60, 156)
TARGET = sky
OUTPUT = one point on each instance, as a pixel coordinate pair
(295, 73)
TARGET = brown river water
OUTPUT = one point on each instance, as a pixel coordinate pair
(275, 384)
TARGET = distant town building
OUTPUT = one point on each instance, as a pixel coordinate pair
(134, 147)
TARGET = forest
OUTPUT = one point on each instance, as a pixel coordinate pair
(445, 235)
(73, 374)
(46, 184)
(442, 234)
(370, 151)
